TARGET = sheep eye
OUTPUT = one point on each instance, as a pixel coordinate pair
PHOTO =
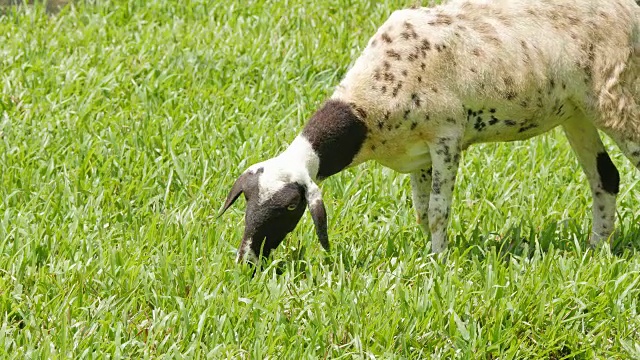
(292, 207)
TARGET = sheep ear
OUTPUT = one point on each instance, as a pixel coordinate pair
(236, 190)
(318, 213)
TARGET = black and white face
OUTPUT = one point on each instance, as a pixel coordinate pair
(269, 220)
(275, 203)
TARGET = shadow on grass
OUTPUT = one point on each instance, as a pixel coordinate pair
(562, 236)
(519, 241)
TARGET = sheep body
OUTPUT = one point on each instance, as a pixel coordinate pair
(532, 63)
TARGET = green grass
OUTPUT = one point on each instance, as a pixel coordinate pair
(123, 126)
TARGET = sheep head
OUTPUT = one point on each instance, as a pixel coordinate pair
(276, 197)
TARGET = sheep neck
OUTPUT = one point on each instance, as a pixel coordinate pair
(335, 135)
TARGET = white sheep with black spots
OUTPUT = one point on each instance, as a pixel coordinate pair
(433, 81)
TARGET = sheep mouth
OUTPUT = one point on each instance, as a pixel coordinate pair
(245, 252)
(253, 249)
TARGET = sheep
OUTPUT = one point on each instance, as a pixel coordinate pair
(433, 81)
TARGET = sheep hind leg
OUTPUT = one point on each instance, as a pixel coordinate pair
(602, 174)
(630, 148)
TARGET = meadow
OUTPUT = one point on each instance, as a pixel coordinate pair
(123, 125)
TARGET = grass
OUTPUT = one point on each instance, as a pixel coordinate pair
(123, 125)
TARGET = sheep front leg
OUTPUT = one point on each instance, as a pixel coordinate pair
(420, 190)
(602, 174)
(445, 156)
